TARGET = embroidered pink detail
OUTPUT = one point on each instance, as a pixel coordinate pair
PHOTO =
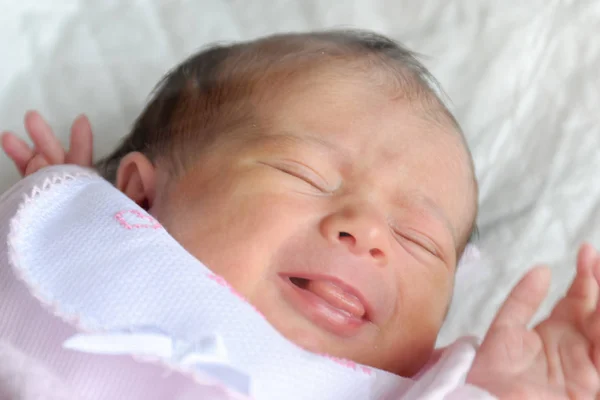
(349, 364)
(221, 281)
(366, 370)
(135, 219)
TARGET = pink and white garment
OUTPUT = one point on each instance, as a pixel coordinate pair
(98, 301)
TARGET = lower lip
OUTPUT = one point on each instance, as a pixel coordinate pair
(320, 312)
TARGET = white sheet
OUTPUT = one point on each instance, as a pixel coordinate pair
(524, 77)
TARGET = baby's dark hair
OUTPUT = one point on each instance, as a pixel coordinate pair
(222, 90)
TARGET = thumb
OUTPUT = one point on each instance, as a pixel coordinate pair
(524, 300)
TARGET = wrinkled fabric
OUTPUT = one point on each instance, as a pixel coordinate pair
(522, 78)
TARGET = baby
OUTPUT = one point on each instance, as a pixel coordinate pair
(323, 177)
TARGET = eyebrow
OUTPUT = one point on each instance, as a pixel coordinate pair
(313, 140)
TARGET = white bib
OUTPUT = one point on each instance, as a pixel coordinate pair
(96, 289)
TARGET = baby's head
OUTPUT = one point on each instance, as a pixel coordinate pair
(322, 177)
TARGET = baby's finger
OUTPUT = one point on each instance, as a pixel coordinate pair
(44, 139)
(584, 290)
(586, 256)
(595, 354)
(524, 300)
(593, 324)
(596, 273)
(17, 150)
(592, 334)
(82, 143)
(578, 367)
(38, 162)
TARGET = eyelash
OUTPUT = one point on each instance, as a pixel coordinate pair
(430, 248)
(292, 170)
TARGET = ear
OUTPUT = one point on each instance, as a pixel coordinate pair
(136, 178)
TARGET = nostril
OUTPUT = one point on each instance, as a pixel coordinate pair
(345, 237)
(350, 240)
(376, 254)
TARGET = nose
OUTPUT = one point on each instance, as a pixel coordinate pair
(362, 230)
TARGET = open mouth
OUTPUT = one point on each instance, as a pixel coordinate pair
(302, 283)
(332, 295)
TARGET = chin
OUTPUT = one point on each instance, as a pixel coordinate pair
(409, 362)
(311, 338)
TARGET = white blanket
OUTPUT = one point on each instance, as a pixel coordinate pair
(524, 77)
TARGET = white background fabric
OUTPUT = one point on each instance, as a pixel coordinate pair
(524, 78)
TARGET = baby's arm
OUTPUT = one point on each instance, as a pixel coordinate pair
(47, 150)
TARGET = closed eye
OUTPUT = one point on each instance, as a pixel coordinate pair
(418, 240)
(423, 243)
(302, 172)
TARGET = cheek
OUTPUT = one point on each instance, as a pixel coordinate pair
(424, 295)
(422, 304)
(236, 232)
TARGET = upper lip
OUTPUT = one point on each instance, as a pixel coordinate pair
(369, 310)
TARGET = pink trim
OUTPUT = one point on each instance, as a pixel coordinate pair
(222, 282)
(350, 364)
(146, 221)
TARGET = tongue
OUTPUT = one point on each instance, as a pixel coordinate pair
(336, 297)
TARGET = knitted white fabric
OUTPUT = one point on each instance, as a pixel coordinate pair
(98, 292)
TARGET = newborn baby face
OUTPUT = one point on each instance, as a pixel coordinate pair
(339, 220)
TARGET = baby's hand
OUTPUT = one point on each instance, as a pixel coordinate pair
(560, 357)
(47, 150)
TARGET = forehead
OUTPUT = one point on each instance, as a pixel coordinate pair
(366, 120)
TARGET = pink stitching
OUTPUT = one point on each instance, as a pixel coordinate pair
(349, 364)
(153, 224)
(222, 282)
(366, 370)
